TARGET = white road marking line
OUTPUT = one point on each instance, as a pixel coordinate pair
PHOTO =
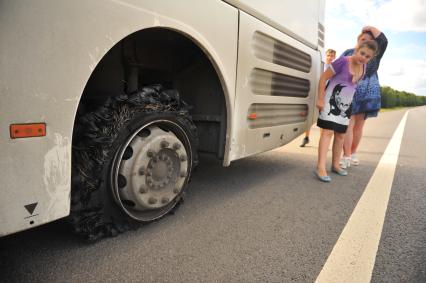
(353, 256)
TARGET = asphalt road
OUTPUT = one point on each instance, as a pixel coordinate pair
(263, 219)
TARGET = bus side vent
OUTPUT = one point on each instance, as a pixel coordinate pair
(268, 115)
(280, 53)
(264, 82)
(321, 32)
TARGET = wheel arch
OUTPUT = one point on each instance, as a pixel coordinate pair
(211, 64)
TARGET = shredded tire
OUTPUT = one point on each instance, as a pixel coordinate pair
(94, 213)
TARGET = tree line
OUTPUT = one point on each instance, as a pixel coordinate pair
(394, 98)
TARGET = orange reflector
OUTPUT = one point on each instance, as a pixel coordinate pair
(27, 130)
(252, 116)
(304, 113)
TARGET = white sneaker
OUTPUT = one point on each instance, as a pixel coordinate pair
(345, 162)
(354, 160)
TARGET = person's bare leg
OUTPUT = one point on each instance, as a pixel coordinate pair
(307, 132)
(306, 138)
(323, 145)
(347, 145)
(338, 141)
(357, 131)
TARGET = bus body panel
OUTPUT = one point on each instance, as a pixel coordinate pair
(256, 81)
(48, 50)
(298, 19)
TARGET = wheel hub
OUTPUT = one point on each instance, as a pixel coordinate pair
(152, 171)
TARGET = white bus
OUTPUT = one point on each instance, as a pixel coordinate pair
(105, 104)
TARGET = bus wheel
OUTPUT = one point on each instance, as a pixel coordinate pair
(132, 160)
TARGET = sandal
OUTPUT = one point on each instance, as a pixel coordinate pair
(345, 162)
(325, 178)
(339, 172)
(354, 160)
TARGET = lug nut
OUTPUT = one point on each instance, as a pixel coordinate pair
(150, 153)
(164, 200)
(176, 146)
(152, 200)
(164, 144)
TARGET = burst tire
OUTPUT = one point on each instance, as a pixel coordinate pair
(132, 160)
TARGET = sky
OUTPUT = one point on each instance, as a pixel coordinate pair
(403, 66)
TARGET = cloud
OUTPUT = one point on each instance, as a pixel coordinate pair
(420, 49)
(402, 15)
(393, 15)
(400, 71)
(403, 21)
(404, 75)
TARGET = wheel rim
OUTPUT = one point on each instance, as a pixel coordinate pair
(150, 170)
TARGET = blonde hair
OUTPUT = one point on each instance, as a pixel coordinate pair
(370, 44)
(330, 51)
